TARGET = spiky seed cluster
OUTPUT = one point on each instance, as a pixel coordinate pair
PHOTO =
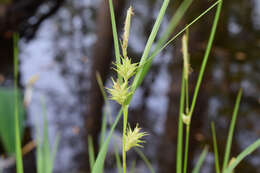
(126, 69)
(120, 90)
(133, 138)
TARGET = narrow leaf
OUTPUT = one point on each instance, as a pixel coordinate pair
(201, 160)
(242, 155)
(231, 130)
(215, 145)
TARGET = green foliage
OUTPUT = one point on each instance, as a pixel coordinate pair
(200, 161)
(99, 163)
(145, 159)
(231, 130)
(215, 145)
(242, 155)
(18, 146)
(45, 156)
(91, 153)
(7, 118)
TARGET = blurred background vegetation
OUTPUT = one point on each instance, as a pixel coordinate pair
(65, 42)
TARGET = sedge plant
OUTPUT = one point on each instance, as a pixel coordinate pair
(122, 90)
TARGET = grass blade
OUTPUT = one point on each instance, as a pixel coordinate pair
(148, 63)
(145, 159)
(149, 44)
(91, 152)
(201, 160)
(173, 23)
(132, 170)
(99, 163)
(116, 43)
(215, 145)
(231, 131)
(19, 160)
(54, 151)
(242, 155)
(118, 161)
(206, 56)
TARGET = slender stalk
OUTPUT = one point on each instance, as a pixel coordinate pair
(149, 44)
(180, 129)
(19, 160)
(187, 96)
(215, 145)
(231, 131)
(186, 148)
(116, 44)
(125, 114)
(206, 56)
(157, 51)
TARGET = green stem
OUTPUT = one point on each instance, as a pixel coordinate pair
(19, 160)
(206, 56)
(186, 149)
(125, 113)
(180, 128)
(187, 96)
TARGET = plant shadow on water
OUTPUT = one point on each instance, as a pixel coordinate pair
(61, 54)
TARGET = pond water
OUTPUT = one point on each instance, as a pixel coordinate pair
(61, 54)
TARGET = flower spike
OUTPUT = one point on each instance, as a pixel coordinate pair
(133, 138)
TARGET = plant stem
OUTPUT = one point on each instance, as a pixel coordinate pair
(180, 128)
(125, 114)
(186, 149)
(19, 160)
(206, 56)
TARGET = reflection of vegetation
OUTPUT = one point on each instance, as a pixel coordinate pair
(7, 119)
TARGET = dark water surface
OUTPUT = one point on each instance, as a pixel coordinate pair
(61, 54)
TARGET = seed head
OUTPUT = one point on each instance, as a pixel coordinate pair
(119, 92)
(133, 138)
(186, 57)
(127, 31)
(126, 69)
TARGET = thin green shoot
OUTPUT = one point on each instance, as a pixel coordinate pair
(148, 63)
(99, 163)
(132, 170)
(103, 129)
(231, 131)
(125, 115)
(149, 43)
(201, 160)
(19, 160)
(45, 156)
(180, 128)
(116, 43)
(206, 56)
(215, 145)
(145, 159)
(118, 160)
(242, 155)
(186, 152)
(186, 68)
(91, 152)
(173, 23)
